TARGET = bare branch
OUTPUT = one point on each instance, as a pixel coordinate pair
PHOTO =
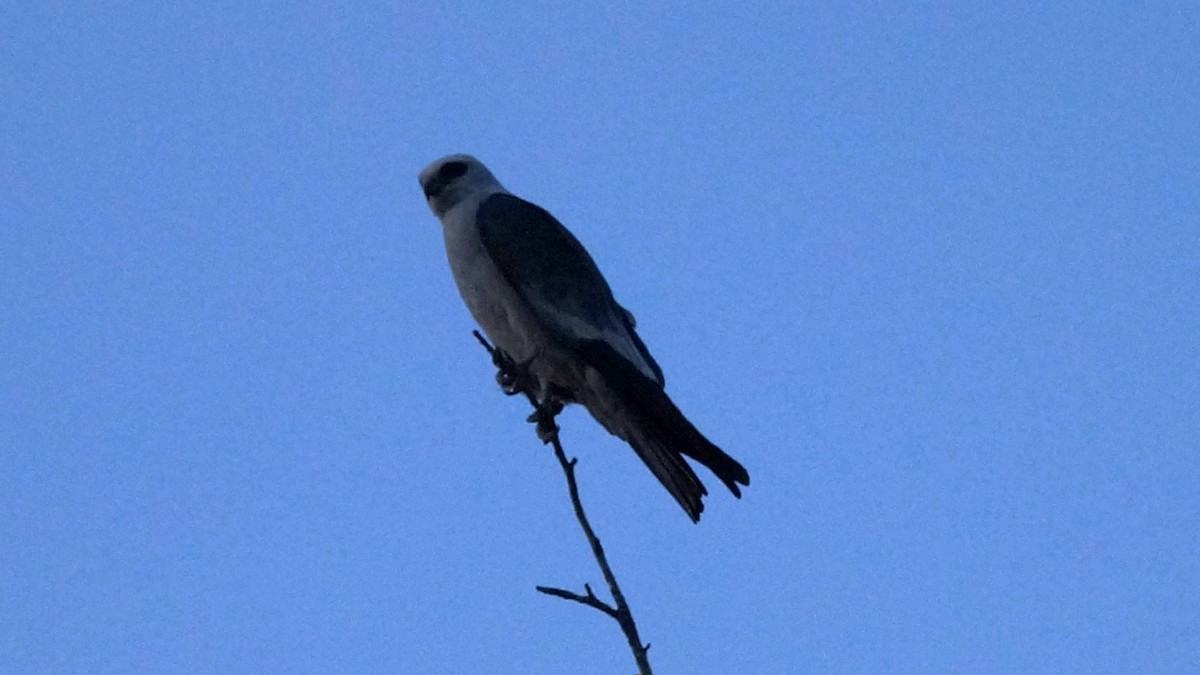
(590, 599)
(513, 380)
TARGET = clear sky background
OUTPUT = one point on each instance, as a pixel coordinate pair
(928, 269)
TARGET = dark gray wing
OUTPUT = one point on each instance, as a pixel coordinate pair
(557, 279)
(555, 276)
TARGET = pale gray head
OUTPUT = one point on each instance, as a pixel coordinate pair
(454, 179)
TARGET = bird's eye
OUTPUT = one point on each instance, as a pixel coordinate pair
(452, 170)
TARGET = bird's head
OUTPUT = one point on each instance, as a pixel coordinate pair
(456, 178)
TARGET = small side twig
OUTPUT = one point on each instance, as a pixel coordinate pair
(590, 599)
(513, 381)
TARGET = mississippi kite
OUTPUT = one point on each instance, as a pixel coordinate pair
(540, 298)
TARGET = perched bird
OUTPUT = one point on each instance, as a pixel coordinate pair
(540, 298)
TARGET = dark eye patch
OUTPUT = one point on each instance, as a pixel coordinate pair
(452, 170)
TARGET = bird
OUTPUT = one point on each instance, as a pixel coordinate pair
(540, 298)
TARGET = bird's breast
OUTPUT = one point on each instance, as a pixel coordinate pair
(492, 301)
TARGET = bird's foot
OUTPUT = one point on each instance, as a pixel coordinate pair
(543, 416)
(514, 378)
(509, 383)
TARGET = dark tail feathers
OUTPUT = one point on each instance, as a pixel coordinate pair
(661, 434)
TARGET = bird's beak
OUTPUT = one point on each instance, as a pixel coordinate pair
(433, 188)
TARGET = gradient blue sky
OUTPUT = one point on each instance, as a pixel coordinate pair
(929, 269)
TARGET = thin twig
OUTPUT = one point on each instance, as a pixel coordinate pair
(620, 611)
(590, 599)
(514, 382)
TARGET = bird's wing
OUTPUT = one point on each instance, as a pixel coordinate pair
(552, 272)
(557, 279)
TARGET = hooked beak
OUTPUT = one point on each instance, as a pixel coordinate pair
(433, 188)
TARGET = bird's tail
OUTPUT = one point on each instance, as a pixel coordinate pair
(646, 418)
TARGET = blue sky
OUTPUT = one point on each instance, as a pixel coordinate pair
(929, 270)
